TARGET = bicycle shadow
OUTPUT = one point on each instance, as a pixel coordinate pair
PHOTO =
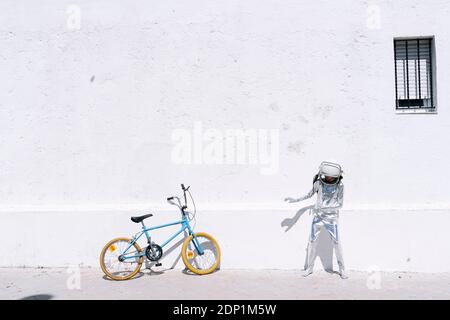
(324, 246)
(137, 276)
(151, 264)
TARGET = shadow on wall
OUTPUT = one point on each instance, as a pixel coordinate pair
(177, 245)
(324, 246)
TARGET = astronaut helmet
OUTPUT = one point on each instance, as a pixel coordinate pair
(330, 172)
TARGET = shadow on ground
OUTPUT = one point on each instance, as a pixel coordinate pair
(38, 297)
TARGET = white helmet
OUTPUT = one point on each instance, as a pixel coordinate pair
(332, 171)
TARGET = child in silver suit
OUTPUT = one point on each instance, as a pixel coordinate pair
(330, 196)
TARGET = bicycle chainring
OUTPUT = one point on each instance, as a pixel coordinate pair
(153, 252)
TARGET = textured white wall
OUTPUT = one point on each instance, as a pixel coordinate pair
(86, 117)
(383, 240)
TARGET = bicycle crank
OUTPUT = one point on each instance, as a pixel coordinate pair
(153, 252)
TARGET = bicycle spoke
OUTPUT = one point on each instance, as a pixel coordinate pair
(120, 268)
(209, 256)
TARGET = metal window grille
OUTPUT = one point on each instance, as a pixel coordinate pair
(413, 74)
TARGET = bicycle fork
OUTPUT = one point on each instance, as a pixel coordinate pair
(196, 243)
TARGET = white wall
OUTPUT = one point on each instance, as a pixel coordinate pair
(86, 118)
(383, 240)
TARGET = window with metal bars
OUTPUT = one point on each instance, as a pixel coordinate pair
(414, 74)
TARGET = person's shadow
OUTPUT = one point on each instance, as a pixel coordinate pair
(324, 246)
(290, 222)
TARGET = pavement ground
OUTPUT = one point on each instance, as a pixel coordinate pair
(90, 283)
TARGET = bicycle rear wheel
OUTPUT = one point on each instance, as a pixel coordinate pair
(113, 264)
(205, 263)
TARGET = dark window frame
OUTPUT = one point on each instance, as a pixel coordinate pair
(415, 87)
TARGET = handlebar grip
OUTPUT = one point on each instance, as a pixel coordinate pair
(170, 198)
(182, 187)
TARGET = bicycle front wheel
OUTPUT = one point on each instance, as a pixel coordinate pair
(206, 262)
(118, 264)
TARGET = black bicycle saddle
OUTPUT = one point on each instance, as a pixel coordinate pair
(141, 218)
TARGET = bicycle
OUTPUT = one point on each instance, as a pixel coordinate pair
(200, 251)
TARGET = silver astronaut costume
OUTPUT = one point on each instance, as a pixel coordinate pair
(330, 196)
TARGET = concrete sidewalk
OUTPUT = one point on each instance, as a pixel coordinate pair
(61, 283)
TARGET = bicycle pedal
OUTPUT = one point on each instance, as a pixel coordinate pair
(158, 264)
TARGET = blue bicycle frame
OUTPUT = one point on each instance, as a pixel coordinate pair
(184, 225)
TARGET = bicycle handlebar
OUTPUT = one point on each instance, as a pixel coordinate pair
(182, 207)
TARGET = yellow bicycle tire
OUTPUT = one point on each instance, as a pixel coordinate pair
(102, 263)
(186, 260)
